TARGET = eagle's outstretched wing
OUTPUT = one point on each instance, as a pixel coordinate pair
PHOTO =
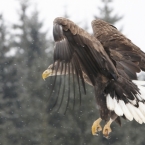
(76, 52)
(75, 46)
(126, 56)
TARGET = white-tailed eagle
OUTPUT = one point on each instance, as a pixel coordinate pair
(108, 61)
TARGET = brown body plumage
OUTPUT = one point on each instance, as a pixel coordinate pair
(107, 61)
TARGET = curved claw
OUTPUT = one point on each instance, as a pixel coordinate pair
(96, 127)
(107, 129)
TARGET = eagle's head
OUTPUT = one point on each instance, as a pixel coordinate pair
(55, 69)
(48, 72)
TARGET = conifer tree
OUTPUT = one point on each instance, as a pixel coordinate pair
(106, 13)
(31, 57)
(8, 84)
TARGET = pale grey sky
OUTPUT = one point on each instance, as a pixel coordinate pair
(83, 10)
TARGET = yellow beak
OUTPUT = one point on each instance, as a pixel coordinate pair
(46, 73)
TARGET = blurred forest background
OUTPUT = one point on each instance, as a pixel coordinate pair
(25, 118)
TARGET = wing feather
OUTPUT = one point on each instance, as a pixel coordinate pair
(88, 50)
(83, 53)
(119, 48)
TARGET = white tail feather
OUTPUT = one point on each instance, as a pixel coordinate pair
(139, 83)
(129, 110)
(134, 114)
(140, 114)
(125, 110)
(110, 102)
(117, 108)
(142, 108)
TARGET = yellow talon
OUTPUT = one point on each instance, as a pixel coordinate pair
(96, 127)
(107, 129)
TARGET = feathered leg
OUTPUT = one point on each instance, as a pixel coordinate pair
(101, 104)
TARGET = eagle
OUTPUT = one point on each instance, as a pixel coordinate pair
(106, 60)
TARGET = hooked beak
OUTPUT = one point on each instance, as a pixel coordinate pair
(46, 73)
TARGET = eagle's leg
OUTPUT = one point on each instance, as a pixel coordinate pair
(107, 129)
(96, 127)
